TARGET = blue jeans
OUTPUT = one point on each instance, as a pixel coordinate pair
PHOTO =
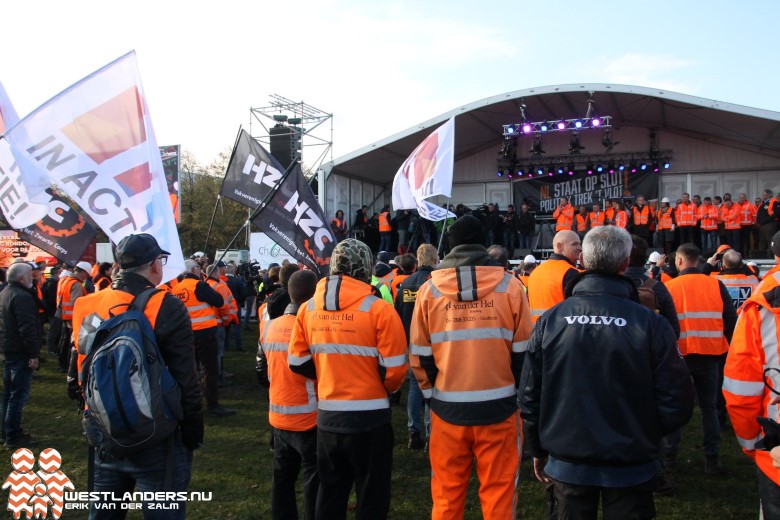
(769, 492)
(709, 240)
(509, 242)
(525, 241)
(704, 371)
(144, 471)
(17, 380)
(414, 404)
(250, 301)
(385, 241)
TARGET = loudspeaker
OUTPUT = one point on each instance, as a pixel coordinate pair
(522, 253)
(281, 138)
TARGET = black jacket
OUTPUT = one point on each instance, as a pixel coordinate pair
(173, 330)
(603, 380)
(49, 291)
(19, 330)
(663, 299)
(407, 296)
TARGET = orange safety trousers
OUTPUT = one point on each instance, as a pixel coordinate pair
(497, 449)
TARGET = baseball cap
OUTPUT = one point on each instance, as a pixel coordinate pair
(84, 266)
(221, 264)
(383, 256)
(654, 256)
(198, 254)
(529, 259)
(722, 248)
(775, 244)
(137, 250)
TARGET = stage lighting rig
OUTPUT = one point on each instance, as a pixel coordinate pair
(537, 148)
(558, 125)
(607, 142)
(574, 143)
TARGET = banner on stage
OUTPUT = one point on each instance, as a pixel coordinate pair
(96, 142)
(581, 189)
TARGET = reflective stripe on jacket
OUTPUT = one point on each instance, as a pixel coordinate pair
(469, 331)
(747, 214)
(68, 291)
(229, 308)
(596, 219)
(754, 348)
(740, 286)
(641, 216)
(582, 223)
(708, 216)
(292, 397)
(202, 315)
(665, 218)
(699, 305)
(686, 214)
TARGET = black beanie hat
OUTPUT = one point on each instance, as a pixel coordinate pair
(466, 230)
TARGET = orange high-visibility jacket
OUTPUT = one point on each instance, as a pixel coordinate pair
(665, 217)
(229, 311)
(754, 347)
(292, 397)
(396, 283)
(564, 218)
(686, 214)
(97, 305)
(621, 218)
(740, 286)
(708, 217)
(545, 286)
(357, 344)
(384, 222)
(747, 214)
(68, 291)
(596, 219)
(470, 326)
(731, 216)
(582, 223)
(641, 216)
(697, 299)
(202, 315)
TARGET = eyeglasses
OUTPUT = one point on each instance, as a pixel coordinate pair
(163, 260)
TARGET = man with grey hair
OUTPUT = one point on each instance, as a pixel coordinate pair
(602, 383)
(20, 342)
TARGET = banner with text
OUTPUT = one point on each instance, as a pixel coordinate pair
(251, 172)
(263, 249)
(582, 189)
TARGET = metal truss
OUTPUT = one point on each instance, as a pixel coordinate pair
(559, 125)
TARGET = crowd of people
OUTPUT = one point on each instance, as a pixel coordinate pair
(587, 363)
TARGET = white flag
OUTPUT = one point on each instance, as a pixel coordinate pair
(96, 141)
(427, 173)
(19, 209)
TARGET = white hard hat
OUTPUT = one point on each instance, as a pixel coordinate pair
(666, 199)
(654, 256)
(198, 254)
(84, 266)
(529, 259)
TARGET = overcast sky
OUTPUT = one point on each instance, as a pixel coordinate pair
(381, 67)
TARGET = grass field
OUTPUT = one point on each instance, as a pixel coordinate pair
(235, 463)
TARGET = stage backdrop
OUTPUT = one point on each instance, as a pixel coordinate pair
(544, 191)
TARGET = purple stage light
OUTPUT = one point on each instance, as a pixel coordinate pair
(595, 122)
(561, 125)
(527, 128)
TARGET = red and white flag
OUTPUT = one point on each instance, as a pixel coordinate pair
(427, 173)
(96, 142)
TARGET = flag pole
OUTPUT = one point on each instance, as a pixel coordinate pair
(444, 226)
(213, 214)
(256, 212)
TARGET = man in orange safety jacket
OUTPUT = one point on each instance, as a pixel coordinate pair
(707, 318)
(546, 283)
(354, 344)
(751, 369)
(469, 332)
(564, 215)
(292, 409)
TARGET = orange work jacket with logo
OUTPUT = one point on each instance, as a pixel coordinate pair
(469, 332)
(697, 299)
(384, 222)
(564, 218)
(708, 217)
(582, 223)
(754, 347)
(292, 398)
(621, 218)
(355, 344)
(731, 216)
(747, 214)
(228, 313)
(202, 315)
(545, 286)
(596, 219)
(665, 218)
(739, 285)
(95, 307)
(396, 283)
(68, 291)
(169, 285)
(641, 216)
(686, 214)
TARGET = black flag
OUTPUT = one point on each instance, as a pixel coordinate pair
(292, 217)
